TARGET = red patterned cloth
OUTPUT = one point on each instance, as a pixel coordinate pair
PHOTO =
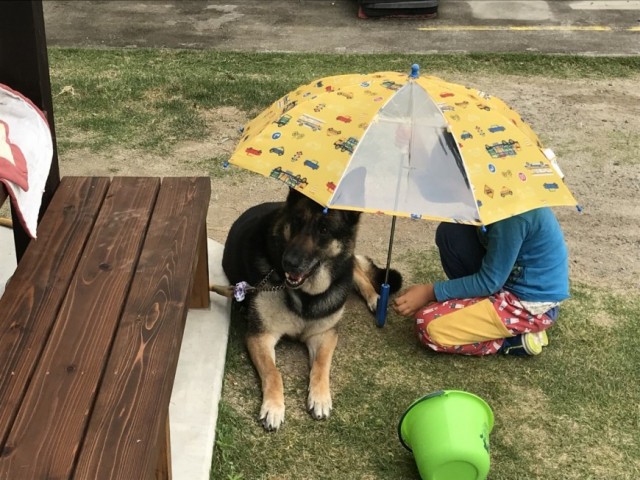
(26, 152)
(514, 318)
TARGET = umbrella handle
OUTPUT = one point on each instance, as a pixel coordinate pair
(383, 302)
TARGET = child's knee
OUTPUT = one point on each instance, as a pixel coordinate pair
(474, 323)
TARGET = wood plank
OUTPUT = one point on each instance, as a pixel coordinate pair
(62, 391)
(35, 292)
(132, 405)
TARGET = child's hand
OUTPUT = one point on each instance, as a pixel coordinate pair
(413, 299)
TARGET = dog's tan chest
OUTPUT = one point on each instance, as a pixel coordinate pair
(278, 320)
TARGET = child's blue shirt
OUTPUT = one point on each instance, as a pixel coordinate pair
(526, 255)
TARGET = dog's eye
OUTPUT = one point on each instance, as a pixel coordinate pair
(296, 223)
(323, 228)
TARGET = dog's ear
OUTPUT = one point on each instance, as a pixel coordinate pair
(293, 197)
(352, 218)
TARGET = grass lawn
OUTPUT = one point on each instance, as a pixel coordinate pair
(571, 413)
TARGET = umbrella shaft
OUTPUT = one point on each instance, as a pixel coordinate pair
(393, 230)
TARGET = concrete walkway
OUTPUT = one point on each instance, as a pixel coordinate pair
(196, 392)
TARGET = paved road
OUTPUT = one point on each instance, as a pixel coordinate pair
(593, 27)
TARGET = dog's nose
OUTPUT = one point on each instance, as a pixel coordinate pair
(292, 260)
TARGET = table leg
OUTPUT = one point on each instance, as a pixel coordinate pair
(200, 284)
(163, 470)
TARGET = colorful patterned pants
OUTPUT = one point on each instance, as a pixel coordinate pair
(476, 326)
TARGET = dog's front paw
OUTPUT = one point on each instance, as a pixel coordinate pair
(372, 303)
(272, 415)
(319, 406)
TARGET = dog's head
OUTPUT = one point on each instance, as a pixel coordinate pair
(317, 244)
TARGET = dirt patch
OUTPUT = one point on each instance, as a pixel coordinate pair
(592, 125)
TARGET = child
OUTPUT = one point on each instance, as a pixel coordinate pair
(505, 284)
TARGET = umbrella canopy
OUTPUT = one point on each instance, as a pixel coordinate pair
(404, 145)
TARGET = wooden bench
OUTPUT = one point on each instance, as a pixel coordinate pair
(91, 324)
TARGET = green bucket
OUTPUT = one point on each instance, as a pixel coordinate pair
(448, 433)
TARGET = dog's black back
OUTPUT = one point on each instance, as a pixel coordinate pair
(246, 251)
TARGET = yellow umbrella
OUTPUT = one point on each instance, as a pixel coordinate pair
(404, 145)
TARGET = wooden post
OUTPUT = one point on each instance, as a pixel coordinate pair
(163, 469)
(200, 283)
(24, 66)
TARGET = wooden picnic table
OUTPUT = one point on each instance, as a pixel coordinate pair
(91, 324)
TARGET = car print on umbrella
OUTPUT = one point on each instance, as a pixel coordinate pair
(505, 191)
(312, 164)
(283, 120)
(313, 123)
(289, 178)
(496, 128)
(346, 145)
(277, 150)
(503, 149)
(391, 85)
(253, 151)
(466, 135)
(488, 191)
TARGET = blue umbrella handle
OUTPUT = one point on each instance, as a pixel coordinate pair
(383, 303)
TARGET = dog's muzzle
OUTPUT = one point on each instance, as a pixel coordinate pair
(297, 278)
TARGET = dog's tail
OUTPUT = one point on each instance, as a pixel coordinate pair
(376, 275)
(394, 280)
(224, 290)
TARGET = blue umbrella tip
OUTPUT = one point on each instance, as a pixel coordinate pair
(579, 208)
(415, 70)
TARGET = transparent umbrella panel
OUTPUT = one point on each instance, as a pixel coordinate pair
(408, 164)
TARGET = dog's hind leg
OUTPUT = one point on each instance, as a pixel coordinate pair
(263, 355)
(368, 278)
(321, 347)
(363, 273)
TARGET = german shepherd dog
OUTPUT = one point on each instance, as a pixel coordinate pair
(301, 259)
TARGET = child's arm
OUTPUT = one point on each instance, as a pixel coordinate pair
(504, 240)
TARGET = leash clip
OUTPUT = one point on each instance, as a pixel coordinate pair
(241, 289)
